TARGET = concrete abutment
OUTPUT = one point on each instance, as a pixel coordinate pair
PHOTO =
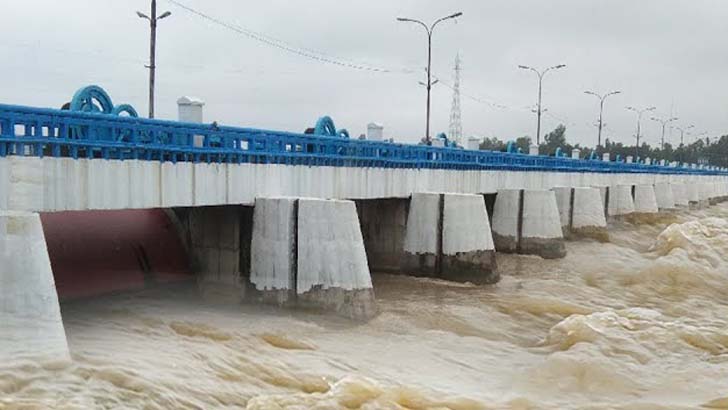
(30, 315)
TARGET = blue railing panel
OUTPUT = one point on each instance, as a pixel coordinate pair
(40, 131)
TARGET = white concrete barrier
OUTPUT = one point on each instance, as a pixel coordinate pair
(645, 201)
(620, 200)
(588, 217)
(30, 316)
(310, 253)
(449, 236)
(665, 196)
(541, 226)
(680, 194)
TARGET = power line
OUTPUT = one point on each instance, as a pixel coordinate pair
(282, 45)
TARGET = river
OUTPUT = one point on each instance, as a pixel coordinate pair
(639, 322)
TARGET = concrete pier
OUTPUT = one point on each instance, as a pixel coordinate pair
(620, 201)
(665, 196)
(540, 226)
(468, 251)
(449, 236)
(309, 253)
(693, 191)
(507, 213)
(528, 222)
(587, 215)
(30, 316)
(564, 202)
(680, 194)
(333, 273)
(704, 194)
(645, 201)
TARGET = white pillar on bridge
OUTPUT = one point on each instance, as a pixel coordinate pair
(189, 109)
(533, 149)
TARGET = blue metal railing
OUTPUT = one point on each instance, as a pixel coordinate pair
(42, 132)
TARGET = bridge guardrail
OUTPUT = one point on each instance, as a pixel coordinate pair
(30, 131)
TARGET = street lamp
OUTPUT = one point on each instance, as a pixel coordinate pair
(152, 49)
(664, 124)
(682, 132)
(639, 121)
(429, 61)
(601, 110)
(540, 75)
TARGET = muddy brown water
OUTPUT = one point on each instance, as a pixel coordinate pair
(639, 322)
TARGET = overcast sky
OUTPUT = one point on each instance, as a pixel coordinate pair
(672, 54)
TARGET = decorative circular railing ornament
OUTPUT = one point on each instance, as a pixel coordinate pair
(95, 99)
(512, 147)
(92, 98)
(125, 108)
(325, 126)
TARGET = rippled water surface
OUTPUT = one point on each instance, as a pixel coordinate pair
(640, 322)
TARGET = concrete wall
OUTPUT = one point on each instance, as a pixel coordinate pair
(218, 239)
(30, 316)
(383, 225)
(55, 184)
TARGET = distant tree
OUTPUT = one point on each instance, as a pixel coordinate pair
(492, 144)
(524, 143)
(555, 139)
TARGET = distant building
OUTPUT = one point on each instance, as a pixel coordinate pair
(473, 143)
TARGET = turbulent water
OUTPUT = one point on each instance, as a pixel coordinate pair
(639, 322)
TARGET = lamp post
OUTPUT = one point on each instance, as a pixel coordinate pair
(682, 132)
(639, 122)
(664, 124)
(429, 30)
(682, 138)
(539, 111)
(152, 49)
(601, 110)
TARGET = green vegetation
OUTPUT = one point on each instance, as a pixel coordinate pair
(701, 151)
